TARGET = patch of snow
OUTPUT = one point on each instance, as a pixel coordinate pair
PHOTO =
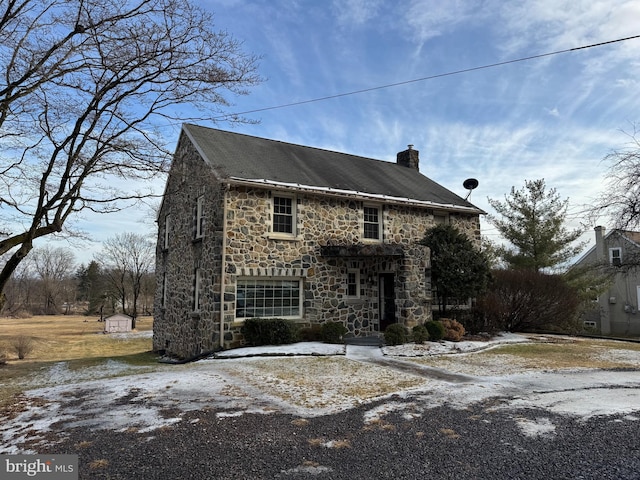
(329, 382)
(536, 428)
(301, 348)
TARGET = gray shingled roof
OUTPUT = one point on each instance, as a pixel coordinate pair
(237, 156)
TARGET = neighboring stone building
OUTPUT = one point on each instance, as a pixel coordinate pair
(617, 309)
(251, 227)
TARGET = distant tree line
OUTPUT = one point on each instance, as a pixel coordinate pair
(118, 280)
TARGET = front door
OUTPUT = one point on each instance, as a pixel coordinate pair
(387, 300)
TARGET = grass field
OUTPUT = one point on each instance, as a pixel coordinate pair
(78, 341)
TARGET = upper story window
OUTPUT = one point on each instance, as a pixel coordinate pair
(200, 217)
(284, 215)
(615, 256)
(372, 223)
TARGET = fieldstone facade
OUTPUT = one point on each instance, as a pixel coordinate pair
(216, 234)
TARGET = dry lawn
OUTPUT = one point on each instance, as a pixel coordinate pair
(553, 353)
(76, 340)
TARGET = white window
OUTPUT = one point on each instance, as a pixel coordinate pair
(353, 283)
(167, 227)
(284, 215)
(197, 285)
(615, 256)
(200, 217)
(372, 223)
(268, 298)
(163, 300)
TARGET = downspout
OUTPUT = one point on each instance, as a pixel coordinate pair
(223, 262)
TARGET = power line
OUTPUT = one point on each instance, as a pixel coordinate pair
(430, 77)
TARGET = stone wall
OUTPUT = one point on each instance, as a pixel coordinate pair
(252, 249)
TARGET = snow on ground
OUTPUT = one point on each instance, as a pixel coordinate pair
(308, 379)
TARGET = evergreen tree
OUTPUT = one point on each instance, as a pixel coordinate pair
(533, 222)
(458, 269)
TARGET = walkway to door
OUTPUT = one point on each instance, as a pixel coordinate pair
(373, 354)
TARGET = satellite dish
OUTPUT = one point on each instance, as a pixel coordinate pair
(470, 184)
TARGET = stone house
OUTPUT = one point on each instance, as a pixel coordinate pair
(616, 310)
(251, 227)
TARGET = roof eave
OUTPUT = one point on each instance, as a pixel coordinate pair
(253, 182)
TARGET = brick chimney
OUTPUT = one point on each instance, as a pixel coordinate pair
(408, 158)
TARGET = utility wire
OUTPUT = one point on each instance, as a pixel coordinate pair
(431, 77)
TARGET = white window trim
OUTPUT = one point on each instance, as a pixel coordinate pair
(357, 274)
(167, 226)
(611, 256)
(200, 217)
(163, 300)
(294, 217)
(197, 290)
(286, 317)
(380, 222)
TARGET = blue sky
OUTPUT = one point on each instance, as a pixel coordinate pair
(554, 117)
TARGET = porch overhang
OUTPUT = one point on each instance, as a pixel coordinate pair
(362, 250)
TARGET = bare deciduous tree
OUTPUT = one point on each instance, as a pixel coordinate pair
(620, 198)
(53, 266)
(83, 84)
(128, 258)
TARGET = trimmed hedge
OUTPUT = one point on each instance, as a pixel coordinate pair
(420, 334)
(332, 332)
(269, 331)
(395, 334)
(436, 330)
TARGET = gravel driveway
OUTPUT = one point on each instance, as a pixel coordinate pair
(337, 417)
(407, 443)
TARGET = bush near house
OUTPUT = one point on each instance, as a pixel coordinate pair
(269, 331)
(312, 333)
(435, 329)
(453, 330)
(526, 300)
(420, 334)
(395, 334)
(332, 332)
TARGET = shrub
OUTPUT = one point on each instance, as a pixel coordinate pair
(420, 334)
(312, 333)
(453, 330)
(3, 358)
(23, 345)
(435, 329)
(395, 334)
(332, 332)
(524, 300)
(269, 331)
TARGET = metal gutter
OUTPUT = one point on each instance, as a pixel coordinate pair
(353, 194)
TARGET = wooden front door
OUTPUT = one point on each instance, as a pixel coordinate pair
(387, 300)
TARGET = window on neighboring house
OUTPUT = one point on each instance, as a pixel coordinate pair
(268, 297)
(372, 224)
(197, 286)
(615, 256)
(353, 283)
(167, 227)
(200, 217)
(283, 215)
